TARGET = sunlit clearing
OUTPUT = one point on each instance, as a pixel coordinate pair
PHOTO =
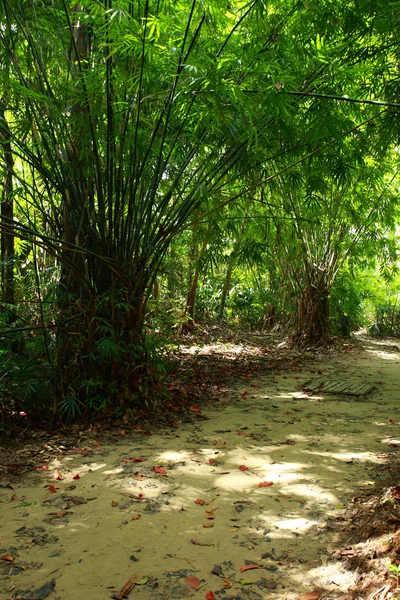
(331, 573)
(92, 467)
(385, 355)
(390, 440)
(175, 456)
(346, 456)
(297, 396)
(296, 524)
(114, 471)
(233, 481)
(307, 492)
(83, 468)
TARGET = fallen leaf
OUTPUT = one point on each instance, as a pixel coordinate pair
(77, 500)
(196, 543)
(114, 503)
(7, 558)
(192, 581)
(249, 568)
(62, 513)
(96, 443)
(265, 484)
(210, 595)
(57, 475)
(245, 581)
(138, 459)
(200, 502)
(14, 498)
(129, 585)
(289, 443)
(76, 477)
(122, 432)
(208, 524)
(227, 584)
(53, 489)
(243, 468)
(159, 470)
(315, 595)
(211, 461)
(136, 517)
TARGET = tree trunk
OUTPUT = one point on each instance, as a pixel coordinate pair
(225, 291)
(7, 213)
(192, 291)
(312, 318)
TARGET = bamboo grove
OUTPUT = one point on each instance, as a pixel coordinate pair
(144, 138)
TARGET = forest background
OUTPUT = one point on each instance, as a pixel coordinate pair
(166, 163)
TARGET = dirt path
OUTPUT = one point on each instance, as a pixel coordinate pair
(235, 504)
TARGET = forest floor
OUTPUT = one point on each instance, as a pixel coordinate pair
(258, 489)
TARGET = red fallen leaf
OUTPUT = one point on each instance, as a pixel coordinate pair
(200, 502)
(7, 558)
(62, 513)
(245, 393)
(138, 459)
(44, 468)
(192, 581)
(76, 476)
(196, 409)
(147, 433)
(249, 567)
(393, 445)
(290, 443)
(159, 470)
(243, 468)
(265, 484)
(140, 495)
(315, 595)
(124, 460)
(78, 500)
(96, 443)
(210, 595)
(392, 422)
(57, 475)
(211, 461)
(137, 427)
(53, 489)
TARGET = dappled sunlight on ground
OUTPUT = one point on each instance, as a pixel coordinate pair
(254, 481)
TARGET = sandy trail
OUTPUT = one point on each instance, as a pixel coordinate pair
(210, 510)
